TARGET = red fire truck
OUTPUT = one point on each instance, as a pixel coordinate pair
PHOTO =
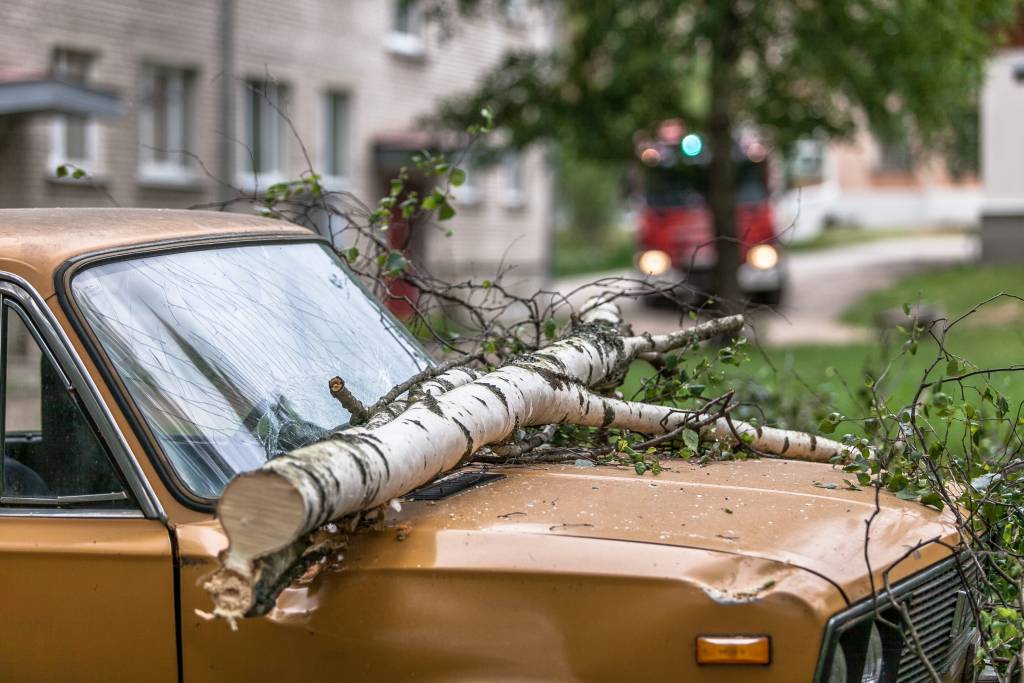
(676, 236)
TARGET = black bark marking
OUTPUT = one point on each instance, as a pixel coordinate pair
(814, 442)
(609, 414)
(361, 466)
(480, 401)
(785, 445)
(496, 391)
(469, 439)
(430, 403)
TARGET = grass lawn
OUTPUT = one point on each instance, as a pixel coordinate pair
(954, 290)
(843, 236)
(993, 337)
(577, 254)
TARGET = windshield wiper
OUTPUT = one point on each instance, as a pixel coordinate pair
(60, 501)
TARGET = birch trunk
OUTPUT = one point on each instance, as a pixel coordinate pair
(445, 421)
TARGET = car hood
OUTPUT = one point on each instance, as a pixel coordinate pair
(795, 513)
(542, 558)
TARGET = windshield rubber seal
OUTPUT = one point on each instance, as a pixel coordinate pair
(62, 288)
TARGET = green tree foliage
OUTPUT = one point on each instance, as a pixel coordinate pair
(792, 68)
(591, 192)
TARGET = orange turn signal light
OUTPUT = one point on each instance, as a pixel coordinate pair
(733, 650)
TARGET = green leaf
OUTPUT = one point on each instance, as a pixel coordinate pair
(395, 263)
(446, 211)
(908, 493)
(640, 468)
(691, 439)
(981, 484)
(458, 177)
(62, 171)
(352, 254)
(78, 173)
(826, 485)
(549, 328)
(934, 500)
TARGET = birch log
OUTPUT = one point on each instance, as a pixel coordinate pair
(444, 422)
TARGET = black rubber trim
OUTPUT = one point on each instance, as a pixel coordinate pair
(449, 486)
(176, 574)
(62, 289)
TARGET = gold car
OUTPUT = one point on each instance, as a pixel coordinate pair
(147, 357)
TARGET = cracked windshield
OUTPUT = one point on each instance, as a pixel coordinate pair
(228, 352)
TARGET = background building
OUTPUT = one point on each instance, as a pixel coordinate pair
(175, 104)
(1002, 153)
(869, 184)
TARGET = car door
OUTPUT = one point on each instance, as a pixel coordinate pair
(86, 571)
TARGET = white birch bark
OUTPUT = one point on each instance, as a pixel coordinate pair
(442, 424)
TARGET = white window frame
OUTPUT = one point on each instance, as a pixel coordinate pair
(513, 168)
(176, 169)
(332, 180)
(407, 42)
(273, 138)
(58, 156)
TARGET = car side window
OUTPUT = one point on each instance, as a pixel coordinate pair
(52, 455)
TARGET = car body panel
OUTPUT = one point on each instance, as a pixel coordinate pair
(553, 560)
(494, 606)
(86, 598)
(35, 243)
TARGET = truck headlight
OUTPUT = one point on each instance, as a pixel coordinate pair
(763, 256)
(654, 262)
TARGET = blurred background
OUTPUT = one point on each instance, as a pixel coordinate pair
(825, 163)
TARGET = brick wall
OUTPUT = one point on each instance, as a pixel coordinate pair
(313, 46)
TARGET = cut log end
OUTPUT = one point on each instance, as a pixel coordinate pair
(262, 512)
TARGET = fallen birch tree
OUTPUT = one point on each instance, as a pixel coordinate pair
(268, 514)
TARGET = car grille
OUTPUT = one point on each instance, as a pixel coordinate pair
(931, 602)
(939, 607)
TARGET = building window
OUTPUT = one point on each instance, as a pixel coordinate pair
(515, 11)
(337, 145)
(515, 180)
(406, 36)
(807, 163)
(894, 157)
(73, 138)
(265, 131)
(165, 124)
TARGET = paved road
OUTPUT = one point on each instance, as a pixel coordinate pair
(822, 284)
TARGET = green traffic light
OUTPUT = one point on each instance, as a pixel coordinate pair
(691, 145)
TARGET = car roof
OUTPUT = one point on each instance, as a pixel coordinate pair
(34, 243)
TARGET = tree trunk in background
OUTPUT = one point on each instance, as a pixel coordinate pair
(722, 169)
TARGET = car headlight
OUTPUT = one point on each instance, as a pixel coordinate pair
(837, 673)
(654, 262)
(874, 657)
(763, 256)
